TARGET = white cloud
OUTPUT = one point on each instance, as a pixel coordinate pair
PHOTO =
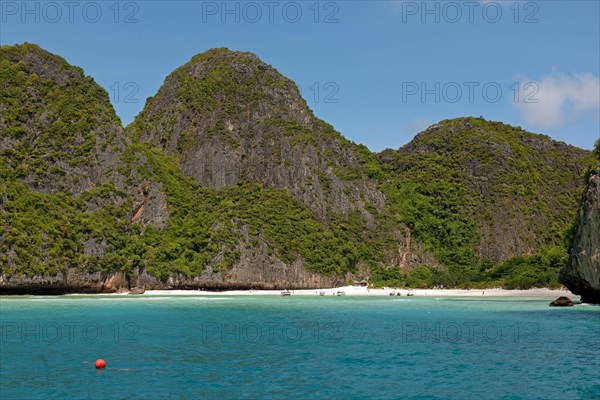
(557, 99)
(417, 125)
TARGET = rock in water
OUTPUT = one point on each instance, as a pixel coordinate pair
(582, 274)
(562, 301)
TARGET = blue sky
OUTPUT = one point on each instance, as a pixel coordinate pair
(379, 71)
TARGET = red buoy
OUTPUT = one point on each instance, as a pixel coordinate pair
(100, 364)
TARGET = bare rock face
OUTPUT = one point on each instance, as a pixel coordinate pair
(229, 117)
(582, 274)
(152, 207)
(70, 281)
(257, 269)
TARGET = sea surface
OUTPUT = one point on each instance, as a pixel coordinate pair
(297, 347)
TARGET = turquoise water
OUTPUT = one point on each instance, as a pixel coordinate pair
(296, 347)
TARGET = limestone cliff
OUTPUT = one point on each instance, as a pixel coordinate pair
(511, 191)
(63, 187)
(59, 130)
(228, 116)
(582, 274)
(228, 180)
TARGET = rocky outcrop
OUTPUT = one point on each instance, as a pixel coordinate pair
(562, 301)
(582, 274)
(153, 208)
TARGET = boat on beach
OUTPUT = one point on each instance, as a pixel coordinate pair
(341, 293)
(285, 292)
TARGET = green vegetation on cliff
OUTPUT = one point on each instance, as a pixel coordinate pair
(237, 168)
(58, 138)
(491, 201)
(211, 227)
(56, 122)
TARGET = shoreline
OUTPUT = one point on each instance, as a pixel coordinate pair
(364, 292)
(348, 291)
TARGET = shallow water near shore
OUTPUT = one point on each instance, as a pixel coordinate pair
(275, 347)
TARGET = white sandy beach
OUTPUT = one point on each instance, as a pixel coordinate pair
(363, 291)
